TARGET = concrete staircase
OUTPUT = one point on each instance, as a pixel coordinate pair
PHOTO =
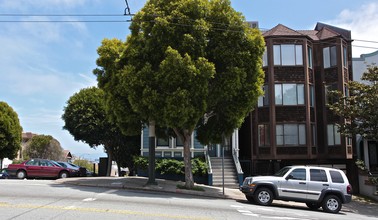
(230, 175)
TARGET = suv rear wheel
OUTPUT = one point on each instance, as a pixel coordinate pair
(331, 204)
(263, 196)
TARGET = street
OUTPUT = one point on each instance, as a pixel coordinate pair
(48, 199)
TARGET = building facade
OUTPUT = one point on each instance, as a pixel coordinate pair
(292, 124)
(367, 150)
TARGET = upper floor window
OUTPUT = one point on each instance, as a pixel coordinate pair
(345, 57)
(333, 135)
(329, 57)
(330, 98)
(289, 94)
(312, 96)
(309, 57)
(264, 99)
(288, 55)
(265, 57)
(290, 134)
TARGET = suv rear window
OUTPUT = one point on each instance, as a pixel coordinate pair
(318, 175)
(336, 177)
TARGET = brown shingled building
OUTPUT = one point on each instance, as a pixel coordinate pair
(292, 124)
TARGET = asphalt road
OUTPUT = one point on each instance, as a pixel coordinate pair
(47, 199)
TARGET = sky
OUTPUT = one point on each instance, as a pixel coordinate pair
(42, 64)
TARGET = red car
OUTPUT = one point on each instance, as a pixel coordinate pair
(38, 168)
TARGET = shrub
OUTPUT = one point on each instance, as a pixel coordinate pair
(173, 166)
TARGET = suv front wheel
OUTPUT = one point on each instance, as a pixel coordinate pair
(331, 204)
(263, 196)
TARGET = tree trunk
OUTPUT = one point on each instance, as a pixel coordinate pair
(189, 181)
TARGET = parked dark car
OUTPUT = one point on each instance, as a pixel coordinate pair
(40, 168)
(4, 174)
(74, 171)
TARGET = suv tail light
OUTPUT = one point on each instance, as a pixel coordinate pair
(349, 189)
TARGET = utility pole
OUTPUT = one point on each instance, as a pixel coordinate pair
(151, 154)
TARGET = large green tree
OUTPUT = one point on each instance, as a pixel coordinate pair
(359, 108)
(10, 132)
(185, 59)
(43, 146)
(86, 119)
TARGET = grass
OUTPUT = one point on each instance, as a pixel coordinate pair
(195, 188)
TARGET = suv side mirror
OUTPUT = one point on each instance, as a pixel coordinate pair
(288, 177)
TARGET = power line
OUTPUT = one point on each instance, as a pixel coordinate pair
(64, 15)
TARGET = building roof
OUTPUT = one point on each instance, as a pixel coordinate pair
(321, 32)
(281, 30)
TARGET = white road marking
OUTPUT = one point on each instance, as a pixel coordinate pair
(244, 211)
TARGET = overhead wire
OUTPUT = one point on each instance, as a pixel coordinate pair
(225, 27)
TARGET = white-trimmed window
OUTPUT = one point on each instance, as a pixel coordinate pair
(289, 94)
(287, 55)
(333, 135)
(329, 57)
(162, 142)
(290, 134)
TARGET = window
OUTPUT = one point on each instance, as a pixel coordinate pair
(289, 94)
(333, 135)
(265, 57)
(290, 134)
(330, 98)
(309, 57)
(336, 177)
(179, 142)
(264, 99)
(298, 174)
(263, 134)
(312, 95)
(329, 56)
(345, 57)
(162, 142)
(287, 55)
(318, 175)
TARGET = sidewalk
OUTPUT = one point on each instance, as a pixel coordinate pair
(358, 205)
(139, 183)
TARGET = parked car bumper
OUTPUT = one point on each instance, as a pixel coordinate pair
(247, 190)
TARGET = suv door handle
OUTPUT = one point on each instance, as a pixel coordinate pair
(325, 184)
(303, 183)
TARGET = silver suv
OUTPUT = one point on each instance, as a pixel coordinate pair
(318, 187)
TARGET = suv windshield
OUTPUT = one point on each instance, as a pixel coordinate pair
(282, 171)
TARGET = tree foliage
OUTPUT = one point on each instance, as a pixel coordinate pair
(43, 146)
(86, 119)
(10, 132)
(184, 60)
(360, 107)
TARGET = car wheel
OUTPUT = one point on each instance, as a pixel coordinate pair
(313, 205)
(21, 174)
(63, 174)
(263, 196)
(331, 204)
(250, 199)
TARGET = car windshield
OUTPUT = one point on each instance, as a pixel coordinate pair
(282, 171)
